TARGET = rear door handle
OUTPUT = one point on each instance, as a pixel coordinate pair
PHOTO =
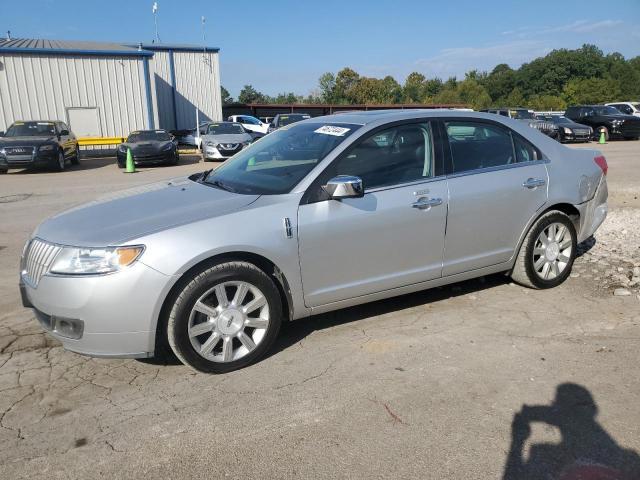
(424, 203)
(534, 182)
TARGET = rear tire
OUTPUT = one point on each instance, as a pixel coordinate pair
(547, 253)
(3, 171)
(213, 328)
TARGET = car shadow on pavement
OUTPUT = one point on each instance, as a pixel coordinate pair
(585, 452)
(294, 332)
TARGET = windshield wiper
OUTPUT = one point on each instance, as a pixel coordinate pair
(221, 185)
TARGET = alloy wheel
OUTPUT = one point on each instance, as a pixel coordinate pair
(228, 321)
(552, 251)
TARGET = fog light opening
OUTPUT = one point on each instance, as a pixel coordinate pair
(67, 327)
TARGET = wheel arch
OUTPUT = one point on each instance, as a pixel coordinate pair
(263, 263)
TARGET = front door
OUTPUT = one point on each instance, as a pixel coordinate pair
(391, 237)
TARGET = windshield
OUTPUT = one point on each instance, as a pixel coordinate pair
(636, 106)
(136, 137)
(289, 119)
(224, 128)
(31, 129)
(604, 110)
(276, 163)
(522, 114)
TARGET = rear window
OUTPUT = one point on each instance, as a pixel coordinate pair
(224, 128)
(289, 119)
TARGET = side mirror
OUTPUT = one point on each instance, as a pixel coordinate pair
(344, 186)
(64, 133)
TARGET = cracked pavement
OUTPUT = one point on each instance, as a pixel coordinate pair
(421, 386)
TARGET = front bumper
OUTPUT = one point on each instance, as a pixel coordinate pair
(213, 153)
(152, 159)
(118, 312)
(38, 159)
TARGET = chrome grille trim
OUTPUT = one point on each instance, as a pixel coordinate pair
(39, 257)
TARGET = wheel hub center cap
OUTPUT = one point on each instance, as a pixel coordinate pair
(230, 322)
(552, 251)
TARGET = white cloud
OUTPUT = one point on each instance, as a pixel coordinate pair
(458, 61)
(579, 26)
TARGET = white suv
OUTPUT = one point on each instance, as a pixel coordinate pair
(628, 108)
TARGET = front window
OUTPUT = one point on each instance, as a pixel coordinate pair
(224, 128)
(137, 137)
(279, 161)
(636, 106)
(522, 114)
(31, 129)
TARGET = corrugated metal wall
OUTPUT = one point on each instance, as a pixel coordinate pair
(44, 86)
(160, 72)
(197, 84)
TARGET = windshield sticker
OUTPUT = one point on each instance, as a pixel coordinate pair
(45, 123)
(332, 130)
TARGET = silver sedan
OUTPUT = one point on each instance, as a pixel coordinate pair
(323, 214)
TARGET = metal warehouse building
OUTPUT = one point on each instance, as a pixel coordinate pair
(106, 89)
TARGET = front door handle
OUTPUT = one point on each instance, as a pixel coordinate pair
(424, 203)
(534, 182)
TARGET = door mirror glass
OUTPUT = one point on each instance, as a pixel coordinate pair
(344, 186)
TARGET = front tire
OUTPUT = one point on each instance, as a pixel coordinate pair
(60, 162)
(224, 318)
(75, 160)
(547, 253)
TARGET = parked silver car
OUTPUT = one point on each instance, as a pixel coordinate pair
(322, 214)
(222, 140)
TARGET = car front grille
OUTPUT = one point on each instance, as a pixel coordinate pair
(581, 131)
(630, 128)
(38, 259)
(19, 154)
(229, 147)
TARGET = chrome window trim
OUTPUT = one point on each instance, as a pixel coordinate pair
(406, 184)
(498, 168)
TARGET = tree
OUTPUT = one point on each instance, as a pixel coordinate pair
(590, 90)
(225, 96)
(500, 81)
(327, 85)
(546, 102)
(346, 79)
(413, 90)
(248, 94)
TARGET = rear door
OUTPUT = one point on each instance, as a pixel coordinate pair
(391, 237)
(497, 182)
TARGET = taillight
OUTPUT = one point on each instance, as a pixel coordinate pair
(602, 163)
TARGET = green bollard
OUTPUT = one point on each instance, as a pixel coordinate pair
(131, 166)
(602, 140)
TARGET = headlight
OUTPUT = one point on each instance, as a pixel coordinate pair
(122, 149)
(46, 148)
(616, 123)
(167, 147)
(568, 131)
(211, 144)
(245, 144)
(85, 261)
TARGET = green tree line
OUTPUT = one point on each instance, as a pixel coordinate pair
(562, 77)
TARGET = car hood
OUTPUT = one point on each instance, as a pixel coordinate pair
(130, 214)
(228, 138)
(22, 141)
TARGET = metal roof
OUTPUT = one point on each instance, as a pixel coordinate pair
(177, 47)
(66, 47)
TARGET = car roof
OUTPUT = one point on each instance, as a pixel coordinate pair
(384, 116)
(41, 121)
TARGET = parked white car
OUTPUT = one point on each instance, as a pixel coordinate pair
(252, 124)
(628, 108)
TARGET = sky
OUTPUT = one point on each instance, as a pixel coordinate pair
(285, 45)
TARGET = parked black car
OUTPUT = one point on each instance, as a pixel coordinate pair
(526, 115)
(603, 118)
(149, 147)
(568, 130)
(38, 143)
(283, 119)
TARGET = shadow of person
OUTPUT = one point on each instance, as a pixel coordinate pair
(586, 451)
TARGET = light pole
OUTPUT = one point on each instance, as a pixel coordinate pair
(154, 9)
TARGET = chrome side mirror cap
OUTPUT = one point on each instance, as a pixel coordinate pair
(344, 186)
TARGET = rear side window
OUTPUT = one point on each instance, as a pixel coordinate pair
(394, 156)
(525, 152)
(476, 145)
